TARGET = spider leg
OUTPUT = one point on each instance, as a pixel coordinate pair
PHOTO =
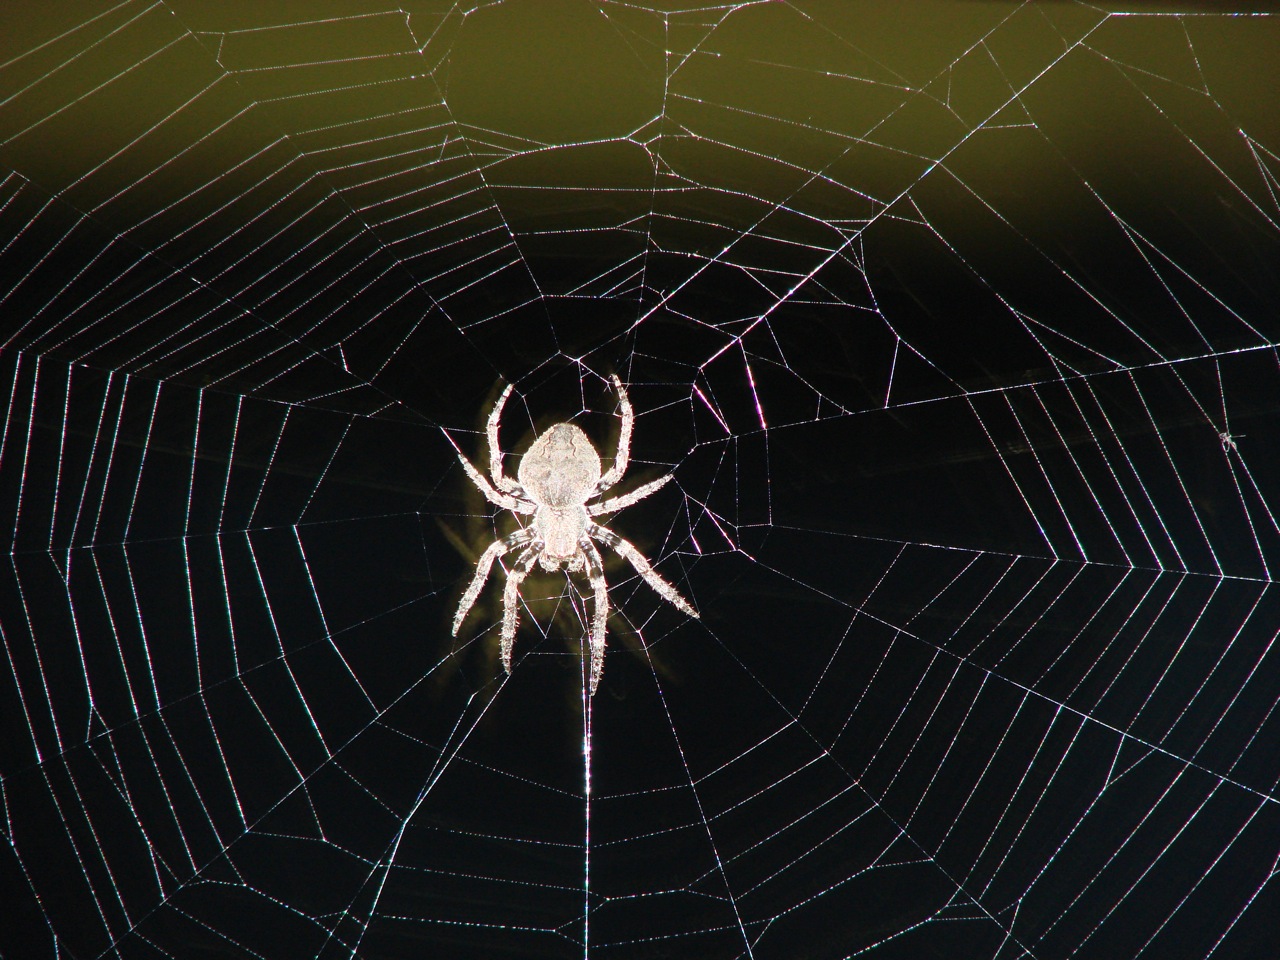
(511, 599)
(600, 611)
(500, 480)
(627, 499)
(483, 565)
(629, 551)
(614, 473)
(505, 500)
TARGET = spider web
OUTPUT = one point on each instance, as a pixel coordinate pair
(957, 324)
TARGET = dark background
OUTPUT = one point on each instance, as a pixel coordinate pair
(939, 312)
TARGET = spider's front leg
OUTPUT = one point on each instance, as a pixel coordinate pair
(600, 608)
(511, 600)
(483, 566)
(629, 551)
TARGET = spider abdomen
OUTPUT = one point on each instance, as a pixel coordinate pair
(561, 469)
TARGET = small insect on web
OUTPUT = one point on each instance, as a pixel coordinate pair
(557, 475)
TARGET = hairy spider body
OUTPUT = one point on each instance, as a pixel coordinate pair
(554, 472)
(556, 478)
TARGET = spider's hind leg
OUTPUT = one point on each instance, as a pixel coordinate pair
(627, 499)
(501, 480)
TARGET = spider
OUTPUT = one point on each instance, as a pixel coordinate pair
(557, 475)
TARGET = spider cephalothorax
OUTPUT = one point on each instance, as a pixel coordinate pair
(557, 475)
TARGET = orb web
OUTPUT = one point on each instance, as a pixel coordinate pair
(956, 325)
